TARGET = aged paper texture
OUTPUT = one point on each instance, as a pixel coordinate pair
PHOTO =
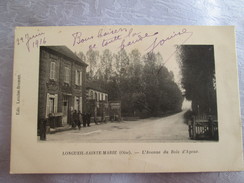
(113, 99)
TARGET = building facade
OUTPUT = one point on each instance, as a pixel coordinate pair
(61, 85)
(97, 103)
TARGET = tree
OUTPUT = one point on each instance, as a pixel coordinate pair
(198, 77)
(144, 86)
(150, 83)
(92, 61)
(106, 64)
(122, 63)
(135, 71)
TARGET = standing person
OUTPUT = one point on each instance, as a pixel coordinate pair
(79, 119)
(71, 116)
(210, 126)
(75, 119)
(88, 119)
(95, 120)
(84, 119)
(42, 128)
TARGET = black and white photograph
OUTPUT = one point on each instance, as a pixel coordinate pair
(114, 91)
(127, 95)
(102, 99)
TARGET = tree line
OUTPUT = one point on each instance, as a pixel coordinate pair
(142, 83)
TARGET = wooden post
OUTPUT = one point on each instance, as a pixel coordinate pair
(120, 118)
(189, 128)
(194, 127)
(212, 127)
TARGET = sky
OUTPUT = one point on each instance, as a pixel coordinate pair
(143, 38)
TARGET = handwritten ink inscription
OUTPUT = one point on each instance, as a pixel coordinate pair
(160, 42)
(126, 37)
(32, 40)
(78, 38)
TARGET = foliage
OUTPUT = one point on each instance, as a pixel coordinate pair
(92, 61)
(198, 77)
(144, 86)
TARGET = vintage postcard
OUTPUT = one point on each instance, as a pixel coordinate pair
(113, 99)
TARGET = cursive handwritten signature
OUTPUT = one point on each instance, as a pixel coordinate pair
(160, 42)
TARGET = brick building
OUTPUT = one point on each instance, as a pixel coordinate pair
(61, 85)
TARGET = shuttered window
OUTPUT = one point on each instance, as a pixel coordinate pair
(77, 77)
(80, 80)
(67, 75)
(52, 70)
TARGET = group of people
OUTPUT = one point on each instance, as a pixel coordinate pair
(79, 118)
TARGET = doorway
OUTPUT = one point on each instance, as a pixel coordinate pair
(65, 109)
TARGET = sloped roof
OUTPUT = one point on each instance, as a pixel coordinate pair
(95, 86)
(66, 52)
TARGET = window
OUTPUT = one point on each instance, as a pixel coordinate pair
(52, 104)
(52, 70)
(78, 78)
(66, 75)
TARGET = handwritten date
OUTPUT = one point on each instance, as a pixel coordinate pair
(32, 40)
